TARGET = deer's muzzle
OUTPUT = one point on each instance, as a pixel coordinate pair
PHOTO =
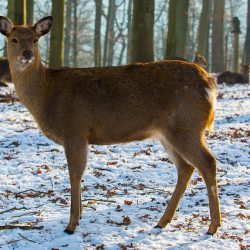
(27, 56)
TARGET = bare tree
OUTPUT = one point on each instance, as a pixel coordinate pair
(236, 31)
(109, 37)
(75, 52)
(246, 56)
(30, 11)
(204, 25)
(97, 38)
(129, 29)
(218, 36)
(20, 12)
(177, 28)
(56, 39)
(122, 27)
(142, 37)
(67, 37)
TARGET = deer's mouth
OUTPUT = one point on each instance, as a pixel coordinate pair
(26, 61)
(23, 63)
(27, 57)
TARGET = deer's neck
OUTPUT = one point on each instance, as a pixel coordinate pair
(31, 86)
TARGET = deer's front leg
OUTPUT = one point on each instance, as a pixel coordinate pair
(76, 153)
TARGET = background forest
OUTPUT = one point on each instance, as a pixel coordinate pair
(113, 32)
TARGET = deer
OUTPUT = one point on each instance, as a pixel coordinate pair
(235, 77)
(4, 72)
(198, 59)
(172, 101)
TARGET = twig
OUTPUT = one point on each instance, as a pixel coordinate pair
(27, 238)
(11, 209)
(156, 189)
(111, 201)
(10, 242)
(24, 227)
(25, 191)
(52, 183)
(89, 207)
(33, 193)
(104, 169)
(16, 208)
(31, 212)
(150, 192)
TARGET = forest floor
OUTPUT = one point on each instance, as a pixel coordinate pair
(126, 188)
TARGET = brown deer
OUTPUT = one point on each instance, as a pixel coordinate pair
(235, 77)
(4, 72)
(198, 59)
(173, 101)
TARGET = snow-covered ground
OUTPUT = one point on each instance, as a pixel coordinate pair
(126, 188)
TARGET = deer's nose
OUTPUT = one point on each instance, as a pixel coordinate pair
(27, 54)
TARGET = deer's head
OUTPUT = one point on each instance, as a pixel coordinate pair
(200, 60)
(23, 41)
(245, 68)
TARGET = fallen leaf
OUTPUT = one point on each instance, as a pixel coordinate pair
(128, 202)
(118, 208)
(126, 221)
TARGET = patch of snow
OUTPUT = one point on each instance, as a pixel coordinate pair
(138, 177)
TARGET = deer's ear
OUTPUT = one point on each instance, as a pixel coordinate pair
(6, 25)
(43, 26)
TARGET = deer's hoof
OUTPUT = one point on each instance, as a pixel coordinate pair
(157, 226)
(208, 233)
(68, 231)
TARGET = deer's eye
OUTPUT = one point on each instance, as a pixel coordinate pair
(14, 40)
(35, 41)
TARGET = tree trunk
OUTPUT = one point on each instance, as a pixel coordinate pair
(56, 39)
(226, 58)
(218, 36)
(67, 38)
(30, 11)
(236, 52)
(129, 30)
(246, 56)
(203, 31)
(236, 31)
(75, 63)
(122, 51)
(97, 39)
(109, 37)
(20, 12)
(11, 9)
(142, 36)
(177, 28)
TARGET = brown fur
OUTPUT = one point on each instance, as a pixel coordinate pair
(169, 100)
(234, 77)
(5, 71)
(198, 59)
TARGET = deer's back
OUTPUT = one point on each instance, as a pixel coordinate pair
(115, 102)
(231, 78)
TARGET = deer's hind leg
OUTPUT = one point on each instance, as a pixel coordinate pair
(193, 149)
(185, 172)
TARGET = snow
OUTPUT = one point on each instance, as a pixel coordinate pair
(126, 188)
